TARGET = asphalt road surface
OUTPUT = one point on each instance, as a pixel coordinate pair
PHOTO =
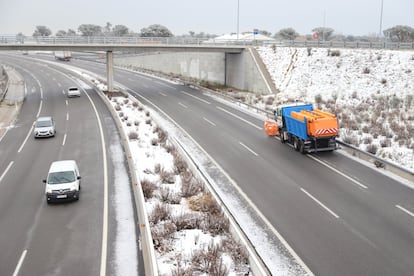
(340, 217)
(71, 238)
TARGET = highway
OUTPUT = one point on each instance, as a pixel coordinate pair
(340, 217)
(70, 238)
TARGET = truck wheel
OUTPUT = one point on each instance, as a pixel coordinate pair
(301, 147)
(296, 143)
(282, 136)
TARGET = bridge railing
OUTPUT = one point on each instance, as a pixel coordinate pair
(14, 39)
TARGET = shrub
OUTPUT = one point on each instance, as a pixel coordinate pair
(204, 203)
(169, 148)
(162, 135)
(209, 262)
(215, 224)
(157, 168)
(147, 113)
(162, 236)
(168, 196)
(190, 187)
(269, 101)
(135, 104)
(148, 122)
(366, 70)
(148, 188)
(166, 176)
(126, 101)
(140, 108)
(161, 212)
(334, 53)
(186, 221)
(372, 148)
(133, 135)
(117, 107)
(136, 123)
(154, 141)
(128, 123)
(179, 164)
(383, 81)
(236, 250)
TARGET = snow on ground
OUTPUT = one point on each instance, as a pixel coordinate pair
(184, 241)
(370, 90)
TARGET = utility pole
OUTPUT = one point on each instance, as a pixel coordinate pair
(380, 27)
(238, 18)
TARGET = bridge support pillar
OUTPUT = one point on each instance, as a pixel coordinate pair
(110, 71)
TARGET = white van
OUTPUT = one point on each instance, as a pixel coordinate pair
(63, 181)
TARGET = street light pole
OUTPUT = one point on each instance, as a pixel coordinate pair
(238, 17)
(382, 8)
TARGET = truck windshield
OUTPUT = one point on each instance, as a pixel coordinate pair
(61, 177)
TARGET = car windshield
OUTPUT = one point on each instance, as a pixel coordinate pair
(61, 177)
(43, 123)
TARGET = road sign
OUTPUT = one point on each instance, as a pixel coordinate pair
(315, 36)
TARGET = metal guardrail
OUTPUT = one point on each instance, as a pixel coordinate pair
(56, 40)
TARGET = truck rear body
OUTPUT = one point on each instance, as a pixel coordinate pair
(307, 129)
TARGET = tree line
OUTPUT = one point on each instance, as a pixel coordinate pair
(399, 33)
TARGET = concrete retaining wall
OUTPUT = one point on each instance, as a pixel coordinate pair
(234, 70)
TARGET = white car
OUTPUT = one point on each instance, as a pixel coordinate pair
(63, 181)
(44, 127)
(73, 92)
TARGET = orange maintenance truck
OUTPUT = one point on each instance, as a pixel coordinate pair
(306, 128)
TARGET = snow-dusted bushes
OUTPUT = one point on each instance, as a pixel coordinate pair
(178, 203)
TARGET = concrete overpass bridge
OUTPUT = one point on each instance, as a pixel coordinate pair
(232, 67)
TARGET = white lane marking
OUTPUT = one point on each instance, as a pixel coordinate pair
(162, 94)
(41, 92)
(251, 204)
(63, 92)
(338, 172)
(249, 149)
(405, 210)
(64, 140)
(25, 140)
(145, 86)
(67, 103)
(19, 264)
(6, 170)
(320, 203)
(238, 117)
(195, 97)
(104, 246)
(67, 116)
(163, 84)
(40, 108)
(183, 105)
(208, 121)
(59, 84)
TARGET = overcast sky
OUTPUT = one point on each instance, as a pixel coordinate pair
(348, 17)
